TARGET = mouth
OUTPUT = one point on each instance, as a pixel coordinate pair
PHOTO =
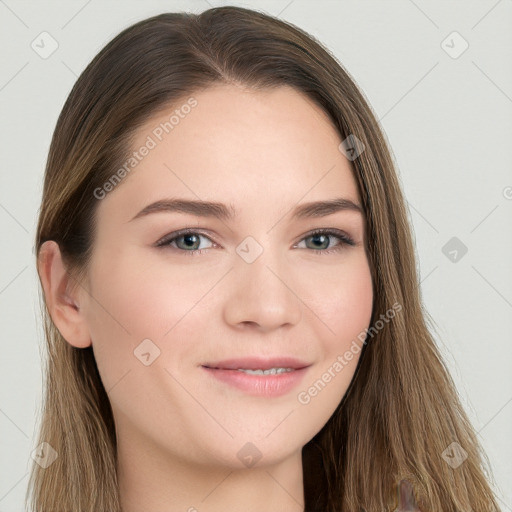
(259, 377)
(274, 364)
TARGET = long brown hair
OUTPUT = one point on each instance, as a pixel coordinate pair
(401, 411)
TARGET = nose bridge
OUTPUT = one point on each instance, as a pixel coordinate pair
(261, 265)
(263, 286)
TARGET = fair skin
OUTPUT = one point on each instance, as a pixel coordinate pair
(179, 430)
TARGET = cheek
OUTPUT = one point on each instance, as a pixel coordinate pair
(345, 309)
(343, 303)
(134, 301)
(122, 313)
(142, 301)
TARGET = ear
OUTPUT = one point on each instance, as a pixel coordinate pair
(63, 303)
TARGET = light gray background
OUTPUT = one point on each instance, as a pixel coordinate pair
(449, 124)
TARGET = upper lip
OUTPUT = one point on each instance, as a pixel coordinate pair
(258, 363)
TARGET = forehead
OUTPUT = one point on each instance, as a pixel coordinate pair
(236, 145)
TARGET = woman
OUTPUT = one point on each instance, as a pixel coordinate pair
(287, 364)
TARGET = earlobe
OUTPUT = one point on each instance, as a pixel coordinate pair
(62, 296)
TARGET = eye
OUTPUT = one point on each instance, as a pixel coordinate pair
(321, 238)
(189, 240)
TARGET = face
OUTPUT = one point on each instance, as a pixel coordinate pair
(257, 288)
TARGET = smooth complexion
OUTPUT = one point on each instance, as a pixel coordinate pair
(179, 430)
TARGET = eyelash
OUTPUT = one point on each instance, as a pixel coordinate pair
(340, 235)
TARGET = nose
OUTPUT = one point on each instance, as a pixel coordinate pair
(263, 295)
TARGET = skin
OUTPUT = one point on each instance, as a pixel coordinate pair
(179, 430)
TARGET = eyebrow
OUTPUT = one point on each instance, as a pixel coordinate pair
(227, 212)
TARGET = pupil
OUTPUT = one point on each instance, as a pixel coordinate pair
(316, 237)
(187, 240)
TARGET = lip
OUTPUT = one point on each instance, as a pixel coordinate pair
(259, 385)
(258, 363)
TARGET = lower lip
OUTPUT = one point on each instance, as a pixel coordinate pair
(260, 385)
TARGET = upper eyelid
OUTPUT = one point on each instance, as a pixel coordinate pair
(175, 234)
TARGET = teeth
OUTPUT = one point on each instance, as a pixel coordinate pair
(270, 371)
